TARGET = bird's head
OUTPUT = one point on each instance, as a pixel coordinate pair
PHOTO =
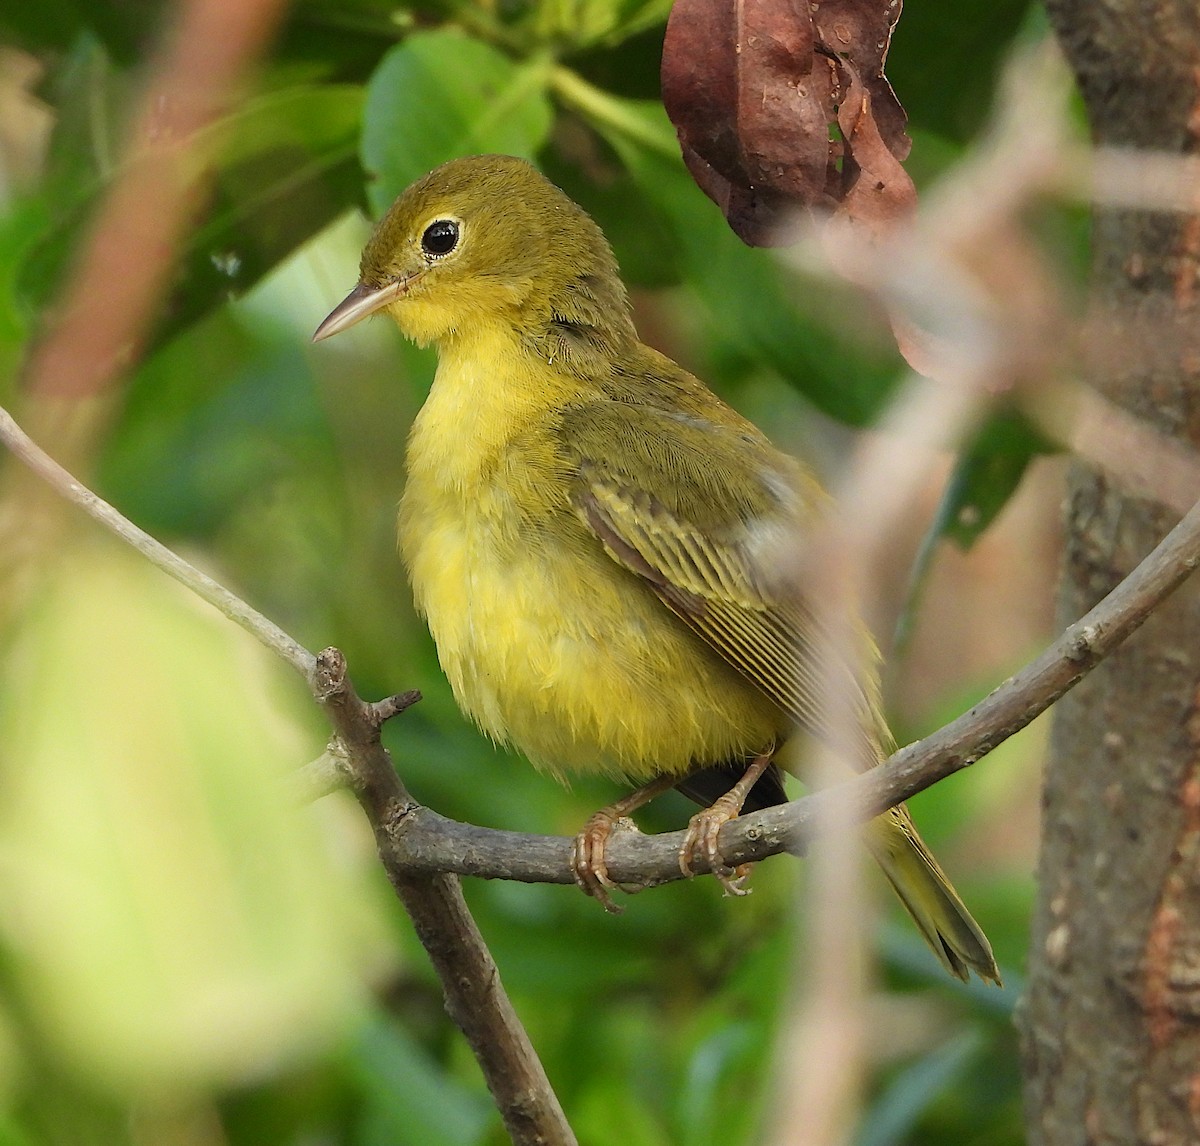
(484, 241)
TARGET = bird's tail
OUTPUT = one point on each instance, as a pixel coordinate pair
(941, 917)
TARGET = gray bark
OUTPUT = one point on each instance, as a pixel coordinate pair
(1111, 1023)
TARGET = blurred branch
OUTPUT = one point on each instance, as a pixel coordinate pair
(825, 1044)
(1141, 460)
(967, 291)
(113, 292)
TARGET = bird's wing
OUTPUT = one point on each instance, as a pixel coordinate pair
(691, 525)
(683, 504)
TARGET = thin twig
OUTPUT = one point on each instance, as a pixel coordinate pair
(231, 605)
(475, 997)
(327, 774)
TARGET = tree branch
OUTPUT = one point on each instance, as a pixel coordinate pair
(418, 841)
(422, 840)
(475, 997)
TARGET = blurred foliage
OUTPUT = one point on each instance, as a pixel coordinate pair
(279, 465)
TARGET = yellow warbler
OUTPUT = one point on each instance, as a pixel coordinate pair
(593, 535)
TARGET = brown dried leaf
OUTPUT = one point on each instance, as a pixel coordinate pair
(852, 30)
(753, 88)
(758, 217)
(878, 192)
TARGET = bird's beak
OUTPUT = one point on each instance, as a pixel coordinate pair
(362, 301)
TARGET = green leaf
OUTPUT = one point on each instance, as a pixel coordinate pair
(90, 95)
(339, 40)
(626, 67)
(440, 95)
(53, 25)
(953, 98)
(642, 236)
(408, 1098)
(989, 469)
(987, 473)
(23, 217)
(606, 1103)
(287, 167)
(173, 923)
(914, 1090)
(11, 1134)
(907, 955)
(216, 418)
(581, 23)
(637, 16)
(718, 1058)
(284, 167)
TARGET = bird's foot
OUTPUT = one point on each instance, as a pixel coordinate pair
(587, 858)
(587, 853)
(701, 843)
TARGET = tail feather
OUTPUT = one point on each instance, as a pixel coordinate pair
(929, 897)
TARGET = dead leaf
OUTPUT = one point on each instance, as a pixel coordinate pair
(754, 89)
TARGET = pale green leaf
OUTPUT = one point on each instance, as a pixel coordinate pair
(177, 922)
(441, 95)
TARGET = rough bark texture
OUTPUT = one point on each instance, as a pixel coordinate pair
(1111, 1024)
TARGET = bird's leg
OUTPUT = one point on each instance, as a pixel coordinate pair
(705, 827)
(587, 854)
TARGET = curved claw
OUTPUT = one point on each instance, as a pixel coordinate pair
(587, 860)
(701, 842)
(587, 853)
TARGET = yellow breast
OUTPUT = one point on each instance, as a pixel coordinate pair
(548, 644)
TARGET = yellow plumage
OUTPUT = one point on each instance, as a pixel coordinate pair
(548, 644)
(593, 536)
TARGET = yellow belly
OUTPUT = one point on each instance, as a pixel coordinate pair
(548, 643)
(564, 654)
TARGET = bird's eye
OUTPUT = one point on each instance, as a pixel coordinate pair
(440, 237)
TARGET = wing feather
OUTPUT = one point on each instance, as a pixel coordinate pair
(684, 509)
(714, 586)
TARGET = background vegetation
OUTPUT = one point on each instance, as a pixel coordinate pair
(180, 961)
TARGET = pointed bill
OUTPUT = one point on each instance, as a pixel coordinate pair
(361, 302)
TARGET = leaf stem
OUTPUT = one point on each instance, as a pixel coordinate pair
(602, 107)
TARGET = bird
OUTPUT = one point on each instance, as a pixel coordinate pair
(596, 539)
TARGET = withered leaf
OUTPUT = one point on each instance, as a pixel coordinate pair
(754, 88)
(877, 191)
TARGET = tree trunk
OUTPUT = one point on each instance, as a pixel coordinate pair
(1111, 1024)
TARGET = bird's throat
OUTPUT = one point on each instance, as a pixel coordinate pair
(489, 388)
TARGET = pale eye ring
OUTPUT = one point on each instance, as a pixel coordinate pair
(440, 238)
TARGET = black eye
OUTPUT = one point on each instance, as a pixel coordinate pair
(441, 237)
